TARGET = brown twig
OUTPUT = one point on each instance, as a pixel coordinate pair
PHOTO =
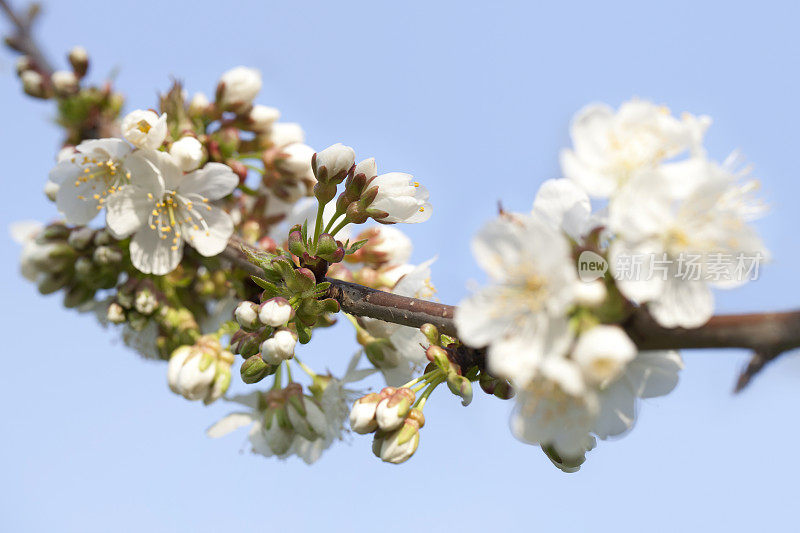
(22, 39)
(767, 334)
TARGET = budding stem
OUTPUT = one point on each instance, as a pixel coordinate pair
(420, 403)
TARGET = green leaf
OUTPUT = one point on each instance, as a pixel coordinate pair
(304, 231)
(264, 284)
(356, 246)
(303, 333)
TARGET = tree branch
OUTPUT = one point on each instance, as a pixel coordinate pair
(22, 40)
(767, 334)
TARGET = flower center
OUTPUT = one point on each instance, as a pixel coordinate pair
(173, 215)
(106, 178)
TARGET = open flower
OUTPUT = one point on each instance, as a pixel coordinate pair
(610, 147)
(89, 177)
(522, 316)
(144, 129)
(670, 250)
(399, 199)
(165, 208)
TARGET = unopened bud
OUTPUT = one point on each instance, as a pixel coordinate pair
(80, 238)
(106, 255)
(64, 82)
(399, 445)
(51, 190)
(187, 153)
(115, 313)
(79, 60)
(275, 312)
(333, 164)
(198, 105)
(33, 84)
(254, 369)
(145, 302)
(391, 411)
(279, 347)
(262, 117)
(246, 315)
(362, 414)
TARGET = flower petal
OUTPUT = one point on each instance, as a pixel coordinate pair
(127, 210)
(153, 255)
(212, 239)
(213, 181)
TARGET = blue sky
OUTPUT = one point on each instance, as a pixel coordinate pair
(473, 99)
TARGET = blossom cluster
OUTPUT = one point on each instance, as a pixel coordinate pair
(161, 207)
(556, 336)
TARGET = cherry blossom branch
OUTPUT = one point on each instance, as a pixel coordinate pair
(22, 39)
(767, 334)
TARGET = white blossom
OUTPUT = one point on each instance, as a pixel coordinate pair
(401, 198)
(564, 206)
(166, 208)
(521, 316)
(92, 175)
(602, 353)
(144, 129)
(610, 147)
(590, 293)
(34, 256)
(240, 85)
(187, 153)
(709, 221)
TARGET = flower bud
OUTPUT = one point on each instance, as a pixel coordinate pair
(115, 313)
(106, 255)
(201, 371)
(144, 129)
(275, 312)
(79, 60)
(285, 133)
(80, 238)
(391, 411)
(51, 190)
(296, 244)
(145, 302)
(362, 414)
(187, 153)
(261, 117)
(238, 87)
(279, 347)
(399, 445)
(333, 164)
(198, 105)
(33, 84)
(254, 369)
(23, 63)
(64, 82)
(246, 315)
(590, 293)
